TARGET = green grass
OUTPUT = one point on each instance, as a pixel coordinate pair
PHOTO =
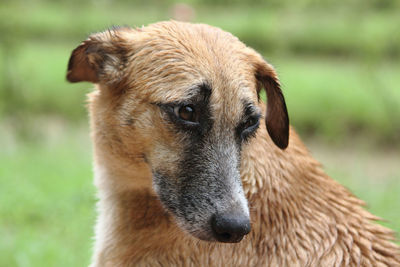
(371, 173)
(338, 98)
(39, 85)
(46, 200)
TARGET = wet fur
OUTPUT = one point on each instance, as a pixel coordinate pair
(299, 215)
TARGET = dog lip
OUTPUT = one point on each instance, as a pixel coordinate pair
(213, 239)
(228, 239)
(203, 236)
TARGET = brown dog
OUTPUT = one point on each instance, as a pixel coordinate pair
(183, 162)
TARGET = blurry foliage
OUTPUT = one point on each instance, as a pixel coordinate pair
(355, 4)
(338, 61)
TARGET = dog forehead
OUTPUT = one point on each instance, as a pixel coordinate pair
(170, 58)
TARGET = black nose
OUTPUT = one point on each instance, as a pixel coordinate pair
(230, 227)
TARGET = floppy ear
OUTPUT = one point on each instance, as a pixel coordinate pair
(99, 59)
(276, 119)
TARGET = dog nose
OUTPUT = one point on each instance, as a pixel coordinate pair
(230, 227)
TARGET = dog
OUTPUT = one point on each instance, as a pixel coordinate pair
(193, 169)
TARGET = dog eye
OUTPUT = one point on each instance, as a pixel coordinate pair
(249, 127)
(185, 113)
(251, 122)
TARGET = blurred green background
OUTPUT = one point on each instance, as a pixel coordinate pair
(338, 62)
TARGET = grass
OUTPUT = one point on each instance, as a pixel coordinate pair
(47, 199)
(339, 98)
(371, 173)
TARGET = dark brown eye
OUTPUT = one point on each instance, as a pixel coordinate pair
(251, 122)
(186, 113)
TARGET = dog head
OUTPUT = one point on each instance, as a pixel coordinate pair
(186, 97)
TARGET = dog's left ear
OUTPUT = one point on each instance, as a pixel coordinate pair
(276, 119)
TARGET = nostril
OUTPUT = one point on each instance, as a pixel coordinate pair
(230, 228)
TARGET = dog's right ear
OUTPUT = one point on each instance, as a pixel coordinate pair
(99, 59)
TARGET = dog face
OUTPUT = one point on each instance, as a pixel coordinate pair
(186, 98)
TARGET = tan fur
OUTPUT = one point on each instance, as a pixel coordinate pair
(299, 215)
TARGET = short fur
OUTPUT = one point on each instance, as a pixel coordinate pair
(159, 181)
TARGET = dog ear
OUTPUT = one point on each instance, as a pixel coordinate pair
(99, 59)
(276, 119)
